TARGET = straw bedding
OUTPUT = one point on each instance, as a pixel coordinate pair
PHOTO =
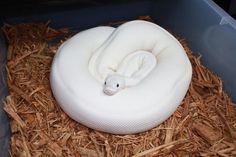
(203, 125)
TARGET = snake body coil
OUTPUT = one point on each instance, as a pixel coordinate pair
(140, 58)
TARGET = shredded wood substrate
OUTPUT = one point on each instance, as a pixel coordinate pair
(203, 125)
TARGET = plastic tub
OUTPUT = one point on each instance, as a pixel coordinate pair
(210, 31)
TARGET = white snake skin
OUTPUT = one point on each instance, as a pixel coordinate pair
(149, 64)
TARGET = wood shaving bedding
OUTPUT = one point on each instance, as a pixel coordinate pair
(203, 125)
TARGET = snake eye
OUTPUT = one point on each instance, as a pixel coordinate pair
(117, 85)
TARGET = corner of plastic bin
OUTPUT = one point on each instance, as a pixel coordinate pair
(225, 17)
(228, 20)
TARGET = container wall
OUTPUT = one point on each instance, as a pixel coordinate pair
(80, 19)
(4, 122)
(210, 31)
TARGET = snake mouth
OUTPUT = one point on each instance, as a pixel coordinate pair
(109, 91)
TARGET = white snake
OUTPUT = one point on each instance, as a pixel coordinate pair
(138, 54)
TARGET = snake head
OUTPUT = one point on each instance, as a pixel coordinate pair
(113, 84)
